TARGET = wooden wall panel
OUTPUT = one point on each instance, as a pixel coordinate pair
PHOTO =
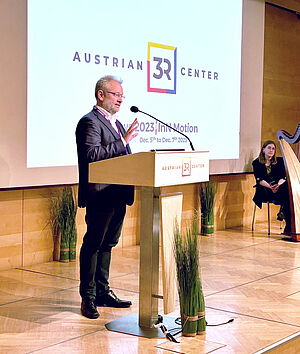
(37, 238)
(10, 229)
(281, 92)
(10, 251)
(233, 204)
(81, 227)
(80, 224)
(287, 4)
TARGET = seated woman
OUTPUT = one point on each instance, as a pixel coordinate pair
(271, 185)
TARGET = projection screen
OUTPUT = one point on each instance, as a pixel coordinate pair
(196, 66)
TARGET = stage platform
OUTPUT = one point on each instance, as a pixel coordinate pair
(251, 278)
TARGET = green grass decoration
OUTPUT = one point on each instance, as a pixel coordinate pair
(63, 209)
(192, 306)
(207, 194)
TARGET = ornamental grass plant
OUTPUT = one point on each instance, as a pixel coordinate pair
(207, 195)
(63, 209)
(192, 306)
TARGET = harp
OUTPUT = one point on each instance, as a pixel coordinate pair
(290, 148)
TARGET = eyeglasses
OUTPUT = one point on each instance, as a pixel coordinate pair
(116, 94)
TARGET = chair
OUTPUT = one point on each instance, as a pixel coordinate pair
(254, 211)
(269, 227)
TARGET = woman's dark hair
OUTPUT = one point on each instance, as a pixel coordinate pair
(262, 158)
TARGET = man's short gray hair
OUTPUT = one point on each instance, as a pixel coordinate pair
(103, 81)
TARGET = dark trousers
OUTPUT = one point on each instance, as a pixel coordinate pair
(104, 224)
(281, 197)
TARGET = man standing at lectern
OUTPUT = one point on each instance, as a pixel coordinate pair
(100, 136)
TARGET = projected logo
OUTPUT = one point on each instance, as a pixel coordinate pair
(161, 68)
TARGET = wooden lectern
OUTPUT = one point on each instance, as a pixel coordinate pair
(150, 171)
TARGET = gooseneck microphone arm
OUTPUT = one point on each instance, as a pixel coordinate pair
(134, 109)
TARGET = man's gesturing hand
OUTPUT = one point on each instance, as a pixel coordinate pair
(131, 133)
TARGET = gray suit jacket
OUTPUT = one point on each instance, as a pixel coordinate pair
(97, 140)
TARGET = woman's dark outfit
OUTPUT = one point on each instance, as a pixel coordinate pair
(272, 175)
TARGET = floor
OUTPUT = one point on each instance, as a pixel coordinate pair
(251, 278)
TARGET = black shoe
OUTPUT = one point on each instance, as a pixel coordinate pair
(280, 216)
(110, 299)
(88, 308)
(287, 231)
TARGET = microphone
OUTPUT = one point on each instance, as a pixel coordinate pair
(134, 109)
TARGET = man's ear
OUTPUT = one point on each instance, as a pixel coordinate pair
(100, 95)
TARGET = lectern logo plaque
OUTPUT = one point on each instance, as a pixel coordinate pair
(186, 167)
